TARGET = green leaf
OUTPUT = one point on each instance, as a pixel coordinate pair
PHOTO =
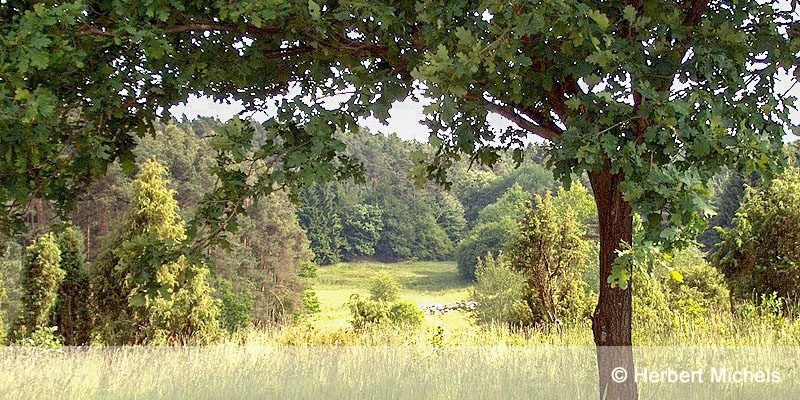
(629, 13)
(599, 18)
(138, 300)
(314, 10)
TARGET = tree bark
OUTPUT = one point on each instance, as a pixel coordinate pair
(611, 321)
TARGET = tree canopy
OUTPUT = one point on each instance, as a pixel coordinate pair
(670, 92)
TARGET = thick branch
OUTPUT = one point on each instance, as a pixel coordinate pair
(511, 114)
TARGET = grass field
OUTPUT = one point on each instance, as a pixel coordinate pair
(421, 282)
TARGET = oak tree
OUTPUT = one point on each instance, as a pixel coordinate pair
(649, 98)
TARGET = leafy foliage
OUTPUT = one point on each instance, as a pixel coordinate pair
(236, 309)
(384, 288)
(320, 219)
(760, 253)
(366, 313)
(491, 237)
(500, 292)
(362, 227)
(406, 314)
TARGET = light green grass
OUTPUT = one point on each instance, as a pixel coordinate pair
(421, 282)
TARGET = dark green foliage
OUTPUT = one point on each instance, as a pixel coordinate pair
(71, 313)
(510, 205)
(384, 288)
(760, 252)
(729, 192)
(487, 238)
(41, 280)
(406, 314)
(236, 309)
(362, 228)
(143, 289)
(319, 216)
(478, 189)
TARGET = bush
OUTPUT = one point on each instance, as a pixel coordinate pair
(661, 300)
(311, 302)
(71, 313)
(45, 336)
(499, 292)
(486, 238)
(760, 253)
(144, 289)
(702, 284)
(366, 313)
(236, 309)
(384, 288)
(404, 313)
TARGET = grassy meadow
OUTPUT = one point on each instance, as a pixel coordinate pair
(448, 356)
(425, 282)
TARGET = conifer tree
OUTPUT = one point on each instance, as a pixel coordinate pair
(549, 253)
(144, 290)
(71, 313)
(41, 279)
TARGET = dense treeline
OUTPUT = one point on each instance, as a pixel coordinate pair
(390, 217)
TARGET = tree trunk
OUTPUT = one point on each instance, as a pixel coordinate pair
(611, 322)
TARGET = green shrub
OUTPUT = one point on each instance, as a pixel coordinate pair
(550, 252)
(236, 309)
(702, 284)
(499, 292)
(384, 288)
(308, 269)
(45, 336)
(768, 308)
(144, 289)
(661, 301)
(71, 313)
(366, 313)
(486, 238)
(650, 305)
(760, 252)
(311, 302)
(405, 313)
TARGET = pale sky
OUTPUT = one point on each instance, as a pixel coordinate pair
(405, 116)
